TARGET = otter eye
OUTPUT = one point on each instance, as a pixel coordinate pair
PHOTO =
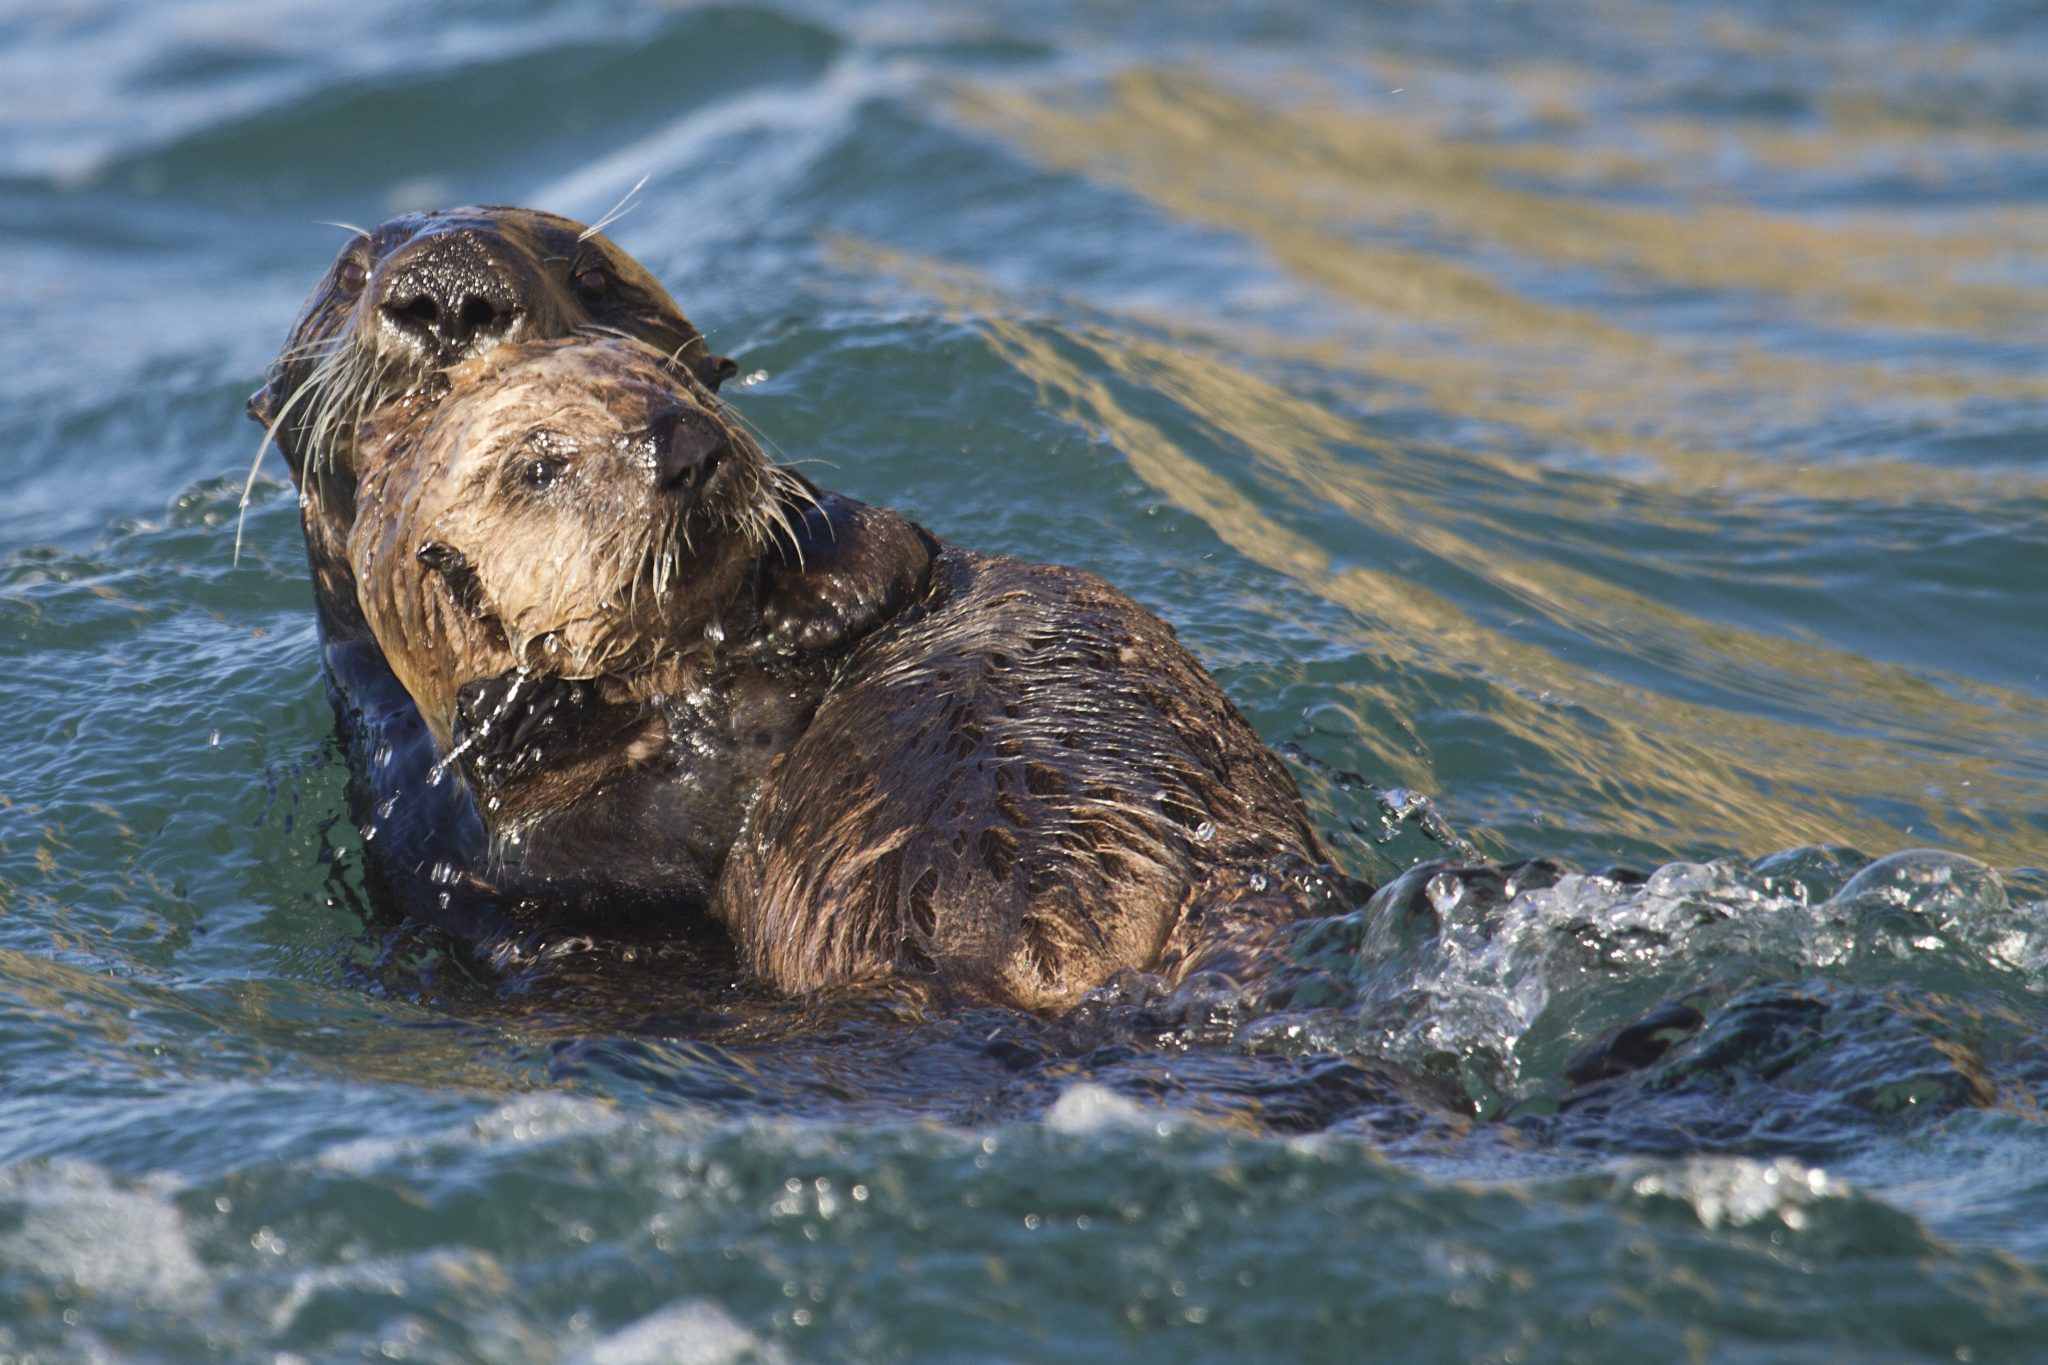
(543, 457)
(590, 285)
(351, 275)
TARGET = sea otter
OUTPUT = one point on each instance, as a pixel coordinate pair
(681, 679)
(399, 305)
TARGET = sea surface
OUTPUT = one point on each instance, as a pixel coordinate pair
(1602, 438)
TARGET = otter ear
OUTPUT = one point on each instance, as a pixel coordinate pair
(714, 370)
(263, 404)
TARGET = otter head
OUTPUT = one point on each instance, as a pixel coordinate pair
(422, 293)
(581, 508)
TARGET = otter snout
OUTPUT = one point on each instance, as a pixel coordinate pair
(686, 446)
(449, 294)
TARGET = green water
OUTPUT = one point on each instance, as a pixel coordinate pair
(1608, 433)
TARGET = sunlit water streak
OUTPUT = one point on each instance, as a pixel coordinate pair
(1604, 434)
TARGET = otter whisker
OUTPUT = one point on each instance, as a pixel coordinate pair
(733, 416)
(345, 391)
(775, 518)
(785, 489)
(331, 383)
(633, 581)
(256, 465)
(376, 390)
(325, 384)
(307, 349)
(618, 210)
(790, 486)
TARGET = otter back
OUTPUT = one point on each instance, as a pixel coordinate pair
(1022, 787)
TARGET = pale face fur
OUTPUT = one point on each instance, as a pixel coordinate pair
(575, 507)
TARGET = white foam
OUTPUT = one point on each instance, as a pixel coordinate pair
(119, 1241)
(1087, 1107)
(1735, 1191)
(694, 1332)
(547, 1114)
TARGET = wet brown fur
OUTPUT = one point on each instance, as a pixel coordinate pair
(587, 578)
(1021, 788)
(1006, 777)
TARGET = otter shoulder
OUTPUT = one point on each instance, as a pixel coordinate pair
(843, 570)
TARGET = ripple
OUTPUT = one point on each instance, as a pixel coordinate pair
(1596, 439)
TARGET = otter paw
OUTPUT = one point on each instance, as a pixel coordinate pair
(509, 727)
(821, 612)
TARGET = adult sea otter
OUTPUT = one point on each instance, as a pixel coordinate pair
(399, 305)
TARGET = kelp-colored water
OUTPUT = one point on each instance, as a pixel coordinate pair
(1606, 434)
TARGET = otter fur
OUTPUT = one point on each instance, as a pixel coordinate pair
(680, 679)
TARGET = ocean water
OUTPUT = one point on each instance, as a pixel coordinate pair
(1597, 436)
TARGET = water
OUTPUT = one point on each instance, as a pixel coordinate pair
(1601, 433)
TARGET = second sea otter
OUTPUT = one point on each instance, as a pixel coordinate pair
(681, 679)
(400, 304)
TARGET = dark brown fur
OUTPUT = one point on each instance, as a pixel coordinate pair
(865, 752)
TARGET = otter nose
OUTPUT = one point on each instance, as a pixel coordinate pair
(687, 446)
(446, 293)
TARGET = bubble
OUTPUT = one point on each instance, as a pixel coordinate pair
(1928, 901)
(1735, 1191)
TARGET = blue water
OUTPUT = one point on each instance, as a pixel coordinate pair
(1602, 433)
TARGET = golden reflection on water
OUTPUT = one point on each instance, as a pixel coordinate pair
(1647, 765)
(1336, 197)
(1192, 144)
